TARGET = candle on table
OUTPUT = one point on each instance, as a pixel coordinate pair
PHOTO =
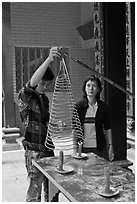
(61, 159)
(107, 179)
(79, 149)
(74, 144)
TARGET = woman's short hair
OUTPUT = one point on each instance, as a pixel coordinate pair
(96, 79)
(48, 76)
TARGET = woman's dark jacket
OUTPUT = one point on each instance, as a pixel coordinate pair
(34, 112)
(102, 120)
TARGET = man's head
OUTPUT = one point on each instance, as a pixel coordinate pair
(45, 81)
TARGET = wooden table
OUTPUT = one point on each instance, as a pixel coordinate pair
(87, 179)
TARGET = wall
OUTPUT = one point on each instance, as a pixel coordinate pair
(51, 24)
(7, 75)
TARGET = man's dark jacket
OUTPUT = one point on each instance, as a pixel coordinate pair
(34, 112)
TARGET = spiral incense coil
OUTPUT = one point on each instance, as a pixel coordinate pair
(64, 124)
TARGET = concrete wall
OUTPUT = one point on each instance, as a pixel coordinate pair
(7, 73)
(51, 24)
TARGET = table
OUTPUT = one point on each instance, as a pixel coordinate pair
(87, 179)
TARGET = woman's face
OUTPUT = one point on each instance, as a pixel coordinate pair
(92, 88)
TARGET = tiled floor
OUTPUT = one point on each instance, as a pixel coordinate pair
(14, 176)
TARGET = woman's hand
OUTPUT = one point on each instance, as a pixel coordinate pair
(110, 153)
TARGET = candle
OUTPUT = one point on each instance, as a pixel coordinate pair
(107, 180)
(79, 149)
(74, 144)
(61, 161)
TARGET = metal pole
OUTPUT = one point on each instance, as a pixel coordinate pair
(100, 75)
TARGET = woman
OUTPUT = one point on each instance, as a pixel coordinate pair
(94, 117)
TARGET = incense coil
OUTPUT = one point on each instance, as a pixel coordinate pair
(64, 124)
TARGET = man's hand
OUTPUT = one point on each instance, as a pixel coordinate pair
(37, 76)
(54, 52)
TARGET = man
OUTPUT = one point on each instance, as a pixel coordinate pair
(34, 112)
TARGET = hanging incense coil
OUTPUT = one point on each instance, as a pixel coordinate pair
(64, 124)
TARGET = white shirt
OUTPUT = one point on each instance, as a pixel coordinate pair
(89, 127)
